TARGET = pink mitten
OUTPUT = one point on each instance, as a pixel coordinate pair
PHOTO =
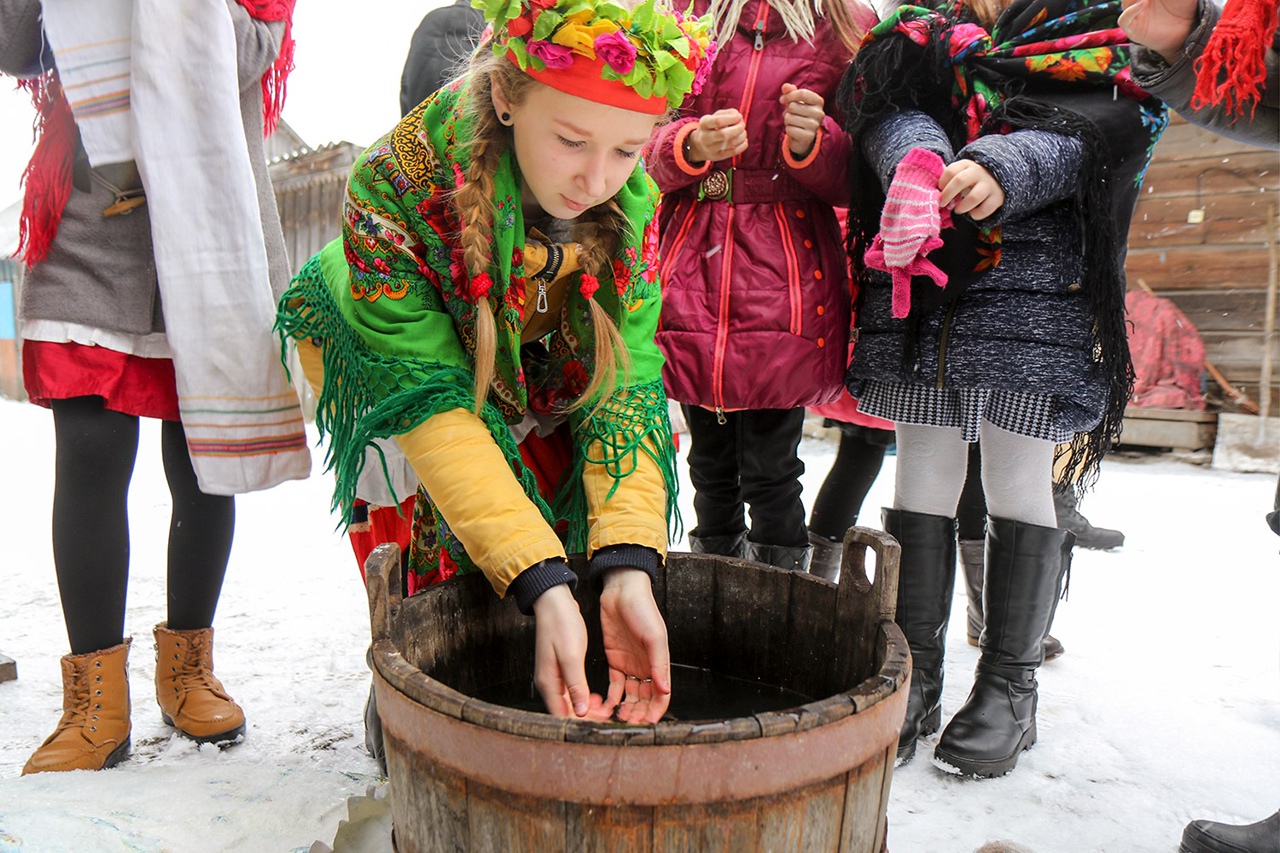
(910, 225)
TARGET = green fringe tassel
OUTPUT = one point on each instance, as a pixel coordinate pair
(621, 425)
(368, 396)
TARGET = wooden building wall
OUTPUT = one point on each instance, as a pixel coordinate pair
(309, 188)
(1216, 270)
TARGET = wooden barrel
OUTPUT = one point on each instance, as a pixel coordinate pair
(466, 774)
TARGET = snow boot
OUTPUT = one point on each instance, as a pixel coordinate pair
(733, 545)
(1209, 836)
(825, 559)
(1025, 565)
(795, 559)
(972, 556)
(926, 578)
(972, 560)
(93, 733)
(191, 698)
(1069, 518)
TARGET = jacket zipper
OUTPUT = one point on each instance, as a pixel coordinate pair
(726, 270)
(793, 267)
(942, 339)
(682, 234)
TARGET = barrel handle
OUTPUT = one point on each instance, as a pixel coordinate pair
(382, 583)
(862, 604)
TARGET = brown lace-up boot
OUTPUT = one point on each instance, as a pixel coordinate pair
(191, 698)
(94, 730)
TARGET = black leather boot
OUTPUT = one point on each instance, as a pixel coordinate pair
(827, 553)
(972, 559)
(733, 545)
(1025, 567)
(793, 558)
(1209, 836)
(926, 577)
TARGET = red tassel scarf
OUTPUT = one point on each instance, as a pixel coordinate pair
(1233, 69)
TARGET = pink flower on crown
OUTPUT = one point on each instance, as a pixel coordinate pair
(617, 50)
(555, 56)
(704, 69)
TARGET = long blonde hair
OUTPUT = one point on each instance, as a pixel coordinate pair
(600, 230)
(798, 17)
(987, 11)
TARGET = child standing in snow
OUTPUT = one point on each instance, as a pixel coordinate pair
(492, 306)
(755, 324)
(1001, 146)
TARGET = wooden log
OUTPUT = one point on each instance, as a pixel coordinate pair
(8, 669)
(1199, 267)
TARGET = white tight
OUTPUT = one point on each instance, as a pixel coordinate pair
(1017, 472)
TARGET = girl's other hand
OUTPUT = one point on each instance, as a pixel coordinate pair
(969, 188)
(635, 644)
(1161, 25)
(560, 651)
(802, 116)
(719, 136)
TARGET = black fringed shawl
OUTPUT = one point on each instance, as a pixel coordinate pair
(1054, 65)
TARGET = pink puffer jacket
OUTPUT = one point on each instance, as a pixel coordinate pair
(756, 299)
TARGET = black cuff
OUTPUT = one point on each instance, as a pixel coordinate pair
(537, 579)
(624, 556)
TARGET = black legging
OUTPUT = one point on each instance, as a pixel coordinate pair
(96, 450)
(971, 513)
(858, 462)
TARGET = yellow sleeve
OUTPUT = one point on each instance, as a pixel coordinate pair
(635, 514)
(472, 486)
(311, 357)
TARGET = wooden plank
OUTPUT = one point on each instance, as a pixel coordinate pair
(1235, 310)
(608, 829)
(428, 802)
(811, 638)
(8, 669)
(1162, 222)
(513, 823)
(1237, 350)
(1248, 170)
(1183, 141)
(691, 584)
(866, 799)
(713, 826)
(805, 821)
(1199, 268)
(752, 621)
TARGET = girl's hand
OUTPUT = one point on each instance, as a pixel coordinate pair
(635, 644)
(719, 136)
(560, 651)
(1161, 25)
(968, 188)
(802, 117)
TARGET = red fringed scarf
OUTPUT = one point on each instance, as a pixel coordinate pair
(1233, 68)
(47, 179)
(273, 82)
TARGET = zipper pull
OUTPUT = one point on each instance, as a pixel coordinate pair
(541, 306)
(760, 36)
(720, 418)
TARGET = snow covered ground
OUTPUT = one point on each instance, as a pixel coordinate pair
(1166, 706)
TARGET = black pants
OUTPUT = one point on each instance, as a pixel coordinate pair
(971, 513)
(96, 450)
(751, 460)
(858, 462)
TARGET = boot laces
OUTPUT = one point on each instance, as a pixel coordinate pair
(195, 667)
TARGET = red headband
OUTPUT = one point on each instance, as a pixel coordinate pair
(582, 79)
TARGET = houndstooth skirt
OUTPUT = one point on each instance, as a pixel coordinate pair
(1032, 415)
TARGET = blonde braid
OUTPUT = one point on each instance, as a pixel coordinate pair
(473, 202)
(600, 235)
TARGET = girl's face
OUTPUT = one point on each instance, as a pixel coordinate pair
(573, 153)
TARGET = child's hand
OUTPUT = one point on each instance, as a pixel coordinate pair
(635, 644)
(802, 118)
(1162, 25)
(560, 651)
(968, 188)
(719, 136)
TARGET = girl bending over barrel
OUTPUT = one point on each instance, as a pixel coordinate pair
(492, 306)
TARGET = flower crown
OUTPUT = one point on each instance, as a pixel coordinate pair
(645, 59)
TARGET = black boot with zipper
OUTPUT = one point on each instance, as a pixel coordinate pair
(926, 577)
(1025, 566)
